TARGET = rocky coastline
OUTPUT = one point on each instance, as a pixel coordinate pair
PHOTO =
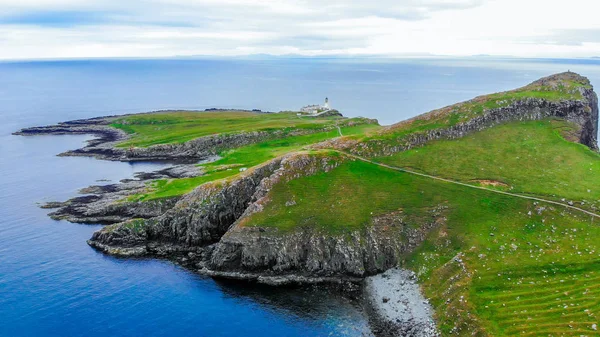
(397, 307)
(209, 221)
(205, 231)
(105, 144)
(109, 204)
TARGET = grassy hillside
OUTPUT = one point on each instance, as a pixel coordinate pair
(496, 264)
(499, 265)
(232, 161)
(182, 126)
(564, 86)
(530, 157)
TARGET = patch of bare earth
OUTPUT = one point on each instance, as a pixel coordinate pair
(487, 182)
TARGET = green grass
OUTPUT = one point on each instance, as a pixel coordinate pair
(531, 157)
(166, 188)
(232, 161)
(565, 87)
(521, 268)
(182, 126)
(528, 268)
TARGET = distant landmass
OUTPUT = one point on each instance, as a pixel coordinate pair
(482, 216)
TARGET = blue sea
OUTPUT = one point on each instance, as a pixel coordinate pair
(53, 284)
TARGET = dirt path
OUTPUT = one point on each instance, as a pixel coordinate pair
(468, 185)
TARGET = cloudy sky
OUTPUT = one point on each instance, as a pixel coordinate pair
(33, 29)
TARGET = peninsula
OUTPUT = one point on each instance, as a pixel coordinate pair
(491, 203)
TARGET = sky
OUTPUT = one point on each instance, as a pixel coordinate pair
(61, 29)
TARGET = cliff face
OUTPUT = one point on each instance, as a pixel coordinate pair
(312, 253)
(206, 229)
(198, 219)
(582, 111)
(106, 145)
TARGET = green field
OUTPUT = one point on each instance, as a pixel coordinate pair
(566, 87)
(528, 157)
(495, 265)
(527, 268)
(232, 161)
(182, 126)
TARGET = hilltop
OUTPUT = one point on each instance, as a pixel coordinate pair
(493, 203)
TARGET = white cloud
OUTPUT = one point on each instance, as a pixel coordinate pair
(161, 28)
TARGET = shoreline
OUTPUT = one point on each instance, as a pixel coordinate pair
(392, 301)
(98, 206)
(396, 304)
(105, 144)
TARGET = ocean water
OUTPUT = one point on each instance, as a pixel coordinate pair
(53, 284)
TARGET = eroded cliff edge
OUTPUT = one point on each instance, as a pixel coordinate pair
(581, 108)
(108, 139)
(210, 229)
(193, 140)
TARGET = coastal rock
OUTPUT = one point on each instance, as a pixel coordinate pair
(198, 219)
(95, 209)
(397, 305)
(211, 219)
(105, 145)
(311, 252)
(112, 203)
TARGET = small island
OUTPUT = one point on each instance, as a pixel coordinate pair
(488, 206)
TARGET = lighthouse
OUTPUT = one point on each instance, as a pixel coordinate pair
(326, 105)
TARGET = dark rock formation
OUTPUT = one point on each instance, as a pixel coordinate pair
(96, 209)
(105, 145)
(198, 219)
(206, 231)
(583, 112)
(208, 223)
(111, 203)
(266, 253)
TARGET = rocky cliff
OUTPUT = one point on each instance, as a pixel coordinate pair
(106, 144)
(583, 111)
(112, 203)
(207, 229)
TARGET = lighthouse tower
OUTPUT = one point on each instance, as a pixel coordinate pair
(326, 105)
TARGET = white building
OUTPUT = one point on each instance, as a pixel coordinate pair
(315, 109)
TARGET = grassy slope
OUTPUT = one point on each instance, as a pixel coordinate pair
(181, 126)
(232, 161)
(537, 273)
(565, 86)
(525, 268)
(531, 157)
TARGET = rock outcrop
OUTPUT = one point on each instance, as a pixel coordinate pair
(112, 203)
(270, 256)
(207, 227)
(206, 230)
(105, 145)
(583, 112)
